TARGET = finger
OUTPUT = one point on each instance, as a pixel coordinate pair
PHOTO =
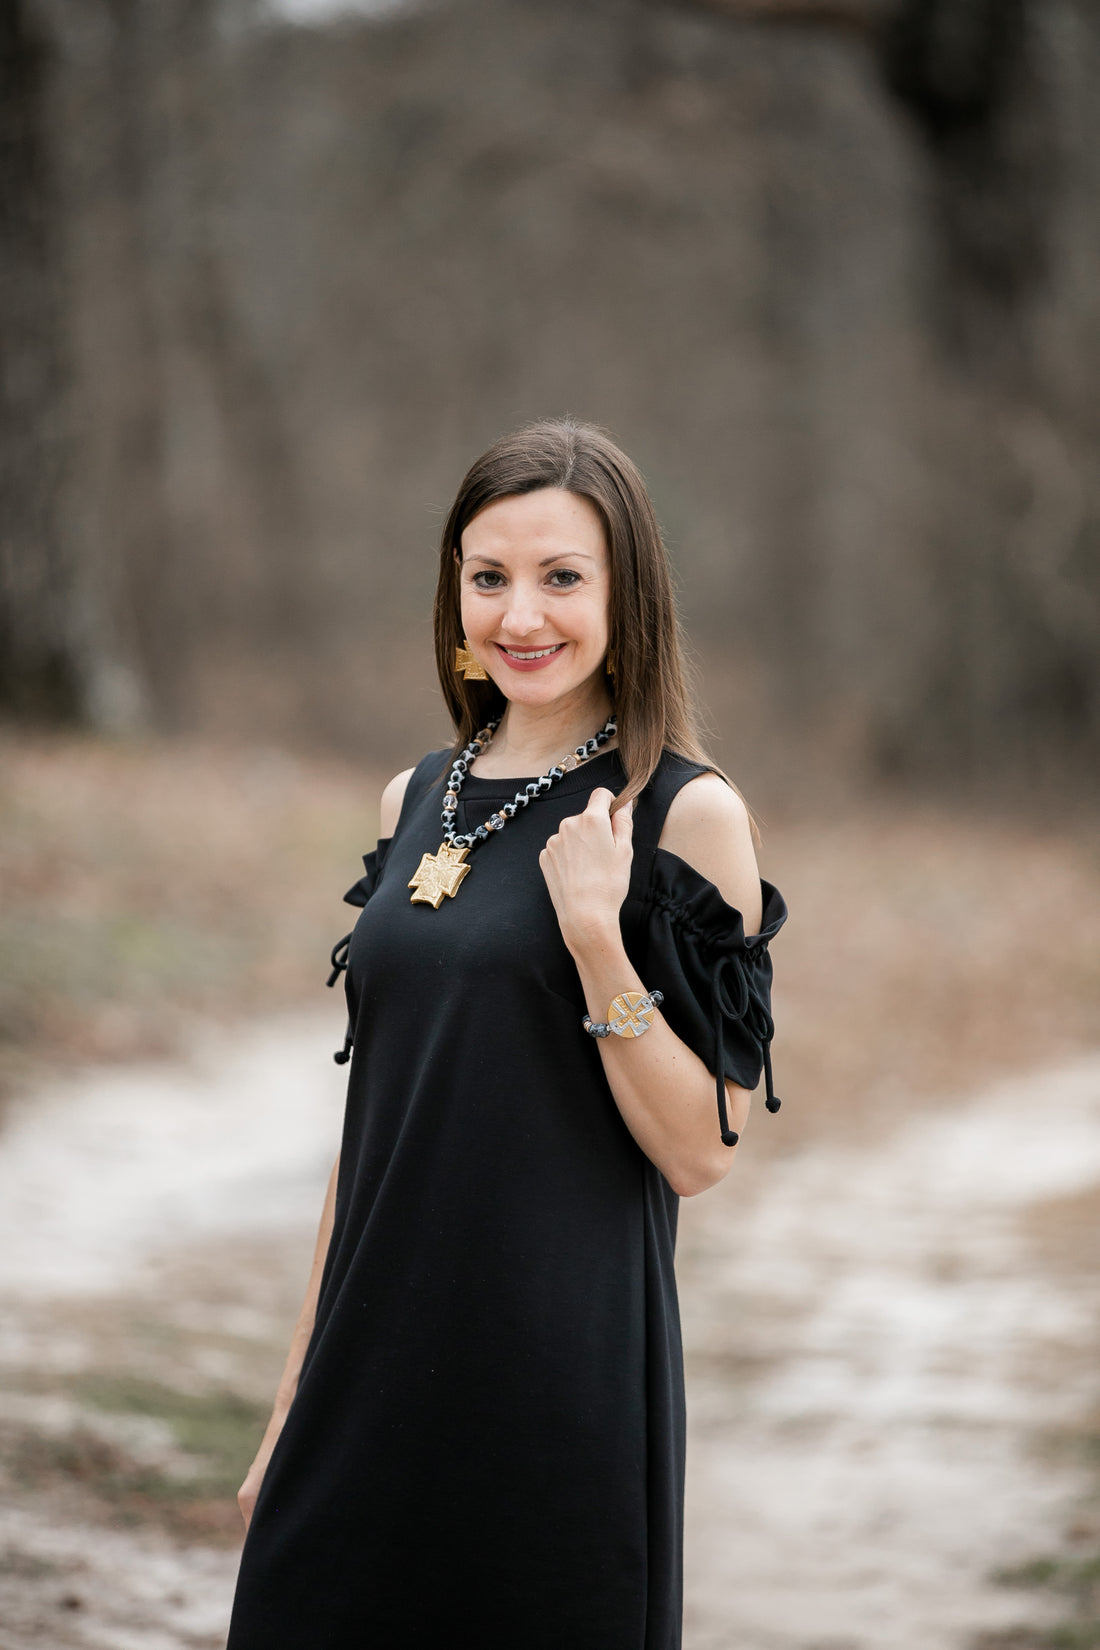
(622, 823)
(599, 809)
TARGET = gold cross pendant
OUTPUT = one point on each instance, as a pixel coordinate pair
(439, 874)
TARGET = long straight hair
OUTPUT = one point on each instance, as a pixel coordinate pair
(649, 690)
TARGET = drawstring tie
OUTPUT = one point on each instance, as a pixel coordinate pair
(358, 895)
(339, 960)
(756, 1019)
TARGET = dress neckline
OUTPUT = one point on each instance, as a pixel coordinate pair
(576, 780)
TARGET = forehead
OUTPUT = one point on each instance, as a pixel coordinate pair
(549, 522)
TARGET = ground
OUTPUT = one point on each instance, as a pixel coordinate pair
(890, 1306)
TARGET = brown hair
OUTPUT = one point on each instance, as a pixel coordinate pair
(650, 690)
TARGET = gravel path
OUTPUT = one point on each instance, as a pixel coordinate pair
(880, 1336)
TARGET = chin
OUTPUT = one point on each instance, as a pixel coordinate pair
(533, 691)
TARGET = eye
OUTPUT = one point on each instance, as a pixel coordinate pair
(564, 578)
(478, 579)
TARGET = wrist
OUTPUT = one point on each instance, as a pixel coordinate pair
(596, 939)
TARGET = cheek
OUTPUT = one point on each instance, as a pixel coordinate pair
(470, 610)
(594, 622)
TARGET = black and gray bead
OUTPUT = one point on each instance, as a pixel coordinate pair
(522, 799)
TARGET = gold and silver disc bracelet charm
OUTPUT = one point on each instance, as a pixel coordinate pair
(439, 875)
(630, 1014)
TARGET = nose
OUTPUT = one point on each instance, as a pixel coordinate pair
(523, 614)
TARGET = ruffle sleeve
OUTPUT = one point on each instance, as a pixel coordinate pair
(358, 894)
(716, 979)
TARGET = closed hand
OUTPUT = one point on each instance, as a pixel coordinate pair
(586, 864)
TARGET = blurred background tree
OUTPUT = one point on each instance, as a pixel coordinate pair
(826, 267)
(40, 665)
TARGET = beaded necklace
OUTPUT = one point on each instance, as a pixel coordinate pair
(441, 873)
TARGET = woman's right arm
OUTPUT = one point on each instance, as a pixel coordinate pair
(389, 812)
(303, 1329)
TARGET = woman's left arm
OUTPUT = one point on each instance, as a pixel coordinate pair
(662, 1088)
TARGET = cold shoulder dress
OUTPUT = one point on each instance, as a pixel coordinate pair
(486, 1447)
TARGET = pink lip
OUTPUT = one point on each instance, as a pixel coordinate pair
(529, 664)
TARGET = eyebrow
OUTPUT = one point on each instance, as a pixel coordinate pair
(561, 555)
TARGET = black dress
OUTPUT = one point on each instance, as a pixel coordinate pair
(487, 1443)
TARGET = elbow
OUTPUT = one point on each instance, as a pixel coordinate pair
(705, 1166)
(688, 1179)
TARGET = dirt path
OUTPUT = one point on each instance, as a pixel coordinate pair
(880, 1337)
(880, 1343)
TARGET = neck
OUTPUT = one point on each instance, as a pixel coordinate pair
(532, 737)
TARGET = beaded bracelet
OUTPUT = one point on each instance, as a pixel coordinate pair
(629, 1015)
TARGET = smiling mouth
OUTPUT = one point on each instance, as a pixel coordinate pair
(524, 655)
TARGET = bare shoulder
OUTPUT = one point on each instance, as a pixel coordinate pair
(707, 825)
(392, 797)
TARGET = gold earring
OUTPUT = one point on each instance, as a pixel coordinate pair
(468, 665)
(609, 664)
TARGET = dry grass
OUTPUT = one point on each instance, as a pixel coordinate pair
(143, 885)
(928, 952)
(214, 1432)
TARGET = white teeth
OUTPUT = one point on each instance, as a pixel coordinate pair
(514, 653)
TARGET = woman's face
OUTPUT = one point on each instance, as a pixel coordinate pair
(536, 584)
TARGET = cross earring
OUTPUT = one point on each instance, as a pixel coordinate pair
(468, 665)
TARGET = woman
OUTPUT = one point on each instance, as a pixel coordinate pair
(486, 1440)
